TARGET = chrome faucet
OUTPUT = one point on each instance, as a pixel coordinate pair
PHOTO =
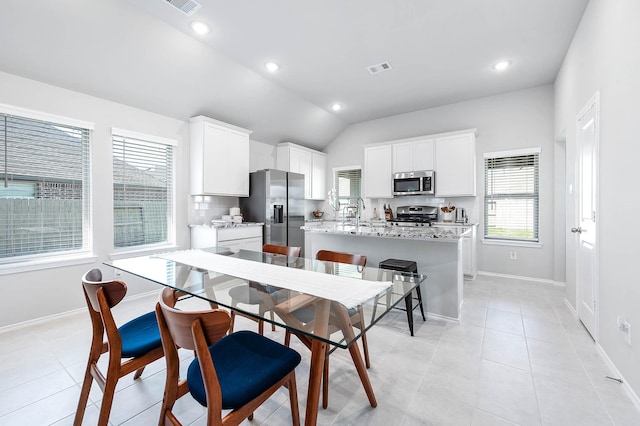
(358, 201)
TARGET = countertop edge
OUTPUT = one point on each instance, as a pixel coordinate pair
(226, 225)
(447, 238)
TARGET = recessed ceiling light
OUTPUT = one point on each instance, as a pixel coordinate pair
(272, 66)
(336, 107)
(200, 27)
(502, 65)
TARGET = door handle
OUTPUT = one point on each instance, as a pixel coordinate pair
(577, 230)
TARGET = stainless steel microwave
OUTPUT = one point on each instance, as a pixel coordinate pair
(414, 183)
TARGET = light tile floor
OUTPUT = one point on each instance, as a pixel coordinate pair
(518, 356)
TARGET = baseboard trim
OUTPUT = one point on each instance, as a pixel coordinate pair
(524, 278)
(442, 317)
(35, 321)
(632, 395)
(571, 308)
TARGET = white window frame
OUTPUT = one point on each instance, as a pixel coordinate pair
(83, 255)
(335, 183)
(510, 241)
(170, 243)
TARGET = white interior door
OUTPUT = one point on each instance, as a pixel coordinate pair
(585, 229)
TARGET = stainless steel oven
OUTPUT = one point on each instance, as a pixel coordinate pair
(414, 183)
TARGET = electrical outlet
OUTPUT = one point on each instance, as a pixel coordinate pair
(627, 336)
(513, 255)
(625, 327)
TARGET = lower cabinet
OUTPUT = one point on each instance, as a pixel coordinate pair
(241, 237)
(469, 248)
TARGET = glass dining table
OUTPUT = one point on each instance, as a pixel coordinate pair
(292, 290)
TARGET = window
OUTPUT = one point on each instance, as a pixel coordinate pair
(511, 200)
(44, 187)
(347, 184)
(142, 189)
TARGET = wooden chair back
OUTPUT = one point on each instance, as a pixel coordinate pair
(336, 256)
(197, 330)
(176, 325)
(112, 291)
(101, 296)
(284, 250)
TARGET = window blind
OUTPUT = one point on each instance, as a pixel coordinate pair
(44, 188)
(511, 199)
(142, 191)
(348, 184)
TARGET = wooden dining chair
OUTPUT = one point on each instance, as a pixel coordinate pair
(257, 294)
(356, 316)
(237, 371)
(131, 347)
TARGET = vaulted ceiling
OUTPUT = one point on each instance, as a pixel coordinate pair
(143, 53)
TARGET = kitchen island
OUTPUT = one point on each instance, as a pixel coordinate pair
(436, 250)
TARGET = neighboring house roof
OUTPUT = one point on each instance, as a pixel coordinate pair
(26, 138)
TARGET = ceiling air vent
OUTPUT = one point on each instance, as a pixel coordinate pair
(188, 7)
(375, 69)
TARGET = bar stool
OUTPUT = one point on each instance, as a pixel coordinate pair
(406, 266)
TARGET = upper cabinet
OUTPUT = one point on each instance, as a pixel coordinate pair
(378, 171)
(413, 155)
(219, 158)
(310, 163)
(451, 155)
(318, 175)
(455, 164)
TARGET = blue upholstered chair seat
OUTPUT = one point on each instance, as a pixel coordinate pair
(246, 364)
(140, 335)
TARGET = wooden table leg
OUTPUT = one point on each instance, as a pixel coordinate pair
(362, 372)
(345, 325)
(318, 349)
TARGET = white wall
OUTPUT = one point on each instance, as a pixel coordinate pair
(604, 57)
(513, 120)
(261, 156)
(46, 292)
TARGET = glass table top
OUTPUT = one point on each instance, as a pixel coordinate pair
(296, 311)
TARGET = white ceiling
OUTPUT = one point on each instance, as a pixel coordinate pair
(144, 54)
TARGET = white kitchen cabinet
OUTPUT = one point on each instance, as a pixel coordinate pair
(219, 158)
(240, 237)
(413, 155)
(378, 171)
(310, 163)
(455, 165)
(318, 173)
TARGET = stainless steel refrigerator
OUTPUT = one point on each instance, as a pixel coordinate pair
(276, 198)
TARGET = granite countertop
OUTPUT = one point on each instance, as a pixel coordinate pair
(450, 233)
(226, 224)
(453, 224)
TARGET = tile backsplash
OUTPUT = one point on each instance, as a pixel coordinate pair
(204, 208)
